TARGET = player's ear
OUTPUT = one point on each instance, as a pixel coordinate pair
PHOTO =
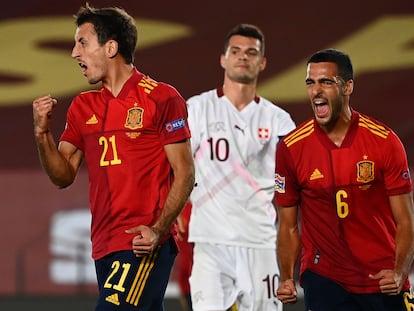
(263, 63)
(348, 87)
(223, 61)
(111, 48)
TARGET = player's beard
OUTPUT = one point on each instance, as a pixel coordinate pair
(93, 80)
(336, 108)
(242, 78)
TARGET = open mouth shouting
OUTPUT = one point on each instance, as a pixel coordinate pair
(321, 108)
(83, 66)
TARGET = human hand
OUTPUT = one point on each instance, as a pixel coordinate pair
(42, 113)
(390, 282)
(145, 241)
(287, 292)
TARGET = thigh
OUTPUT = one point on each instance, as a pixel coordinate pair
(402, 302)
(322, 294)
(127, 282)
(212, 281)
(380, 302)
(257, 279)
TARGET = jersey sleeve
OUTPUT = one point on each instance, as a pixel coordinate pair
(172, 116)
(286, 124)
(71, 133)
(192, 105)
(286, 185)
(397, 177)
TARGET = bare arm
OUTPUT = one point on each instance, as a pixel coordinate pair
(288, 248)
(403, 211)
(61, 164)
(181, 160)
(391, 281)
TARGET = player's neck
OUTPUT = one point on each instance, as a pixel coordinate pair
(239, 94)
(337, 132)
(116, 78)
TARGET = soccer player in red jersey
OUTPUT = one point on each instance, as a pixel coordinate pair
(133, 135)
(347, 175)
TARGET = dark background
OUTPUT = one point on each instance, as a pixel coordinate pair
(379, 38)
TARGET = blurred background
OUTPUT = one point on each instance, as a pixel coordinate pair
(45, 259)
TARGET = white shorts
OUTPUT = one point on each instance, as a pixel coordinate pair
(223, 275)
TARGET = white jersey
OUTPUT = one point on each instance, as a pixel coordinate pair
(234, 152)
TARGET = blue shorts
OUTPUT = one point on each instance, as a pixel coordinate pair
(322, 294)
(127, 282)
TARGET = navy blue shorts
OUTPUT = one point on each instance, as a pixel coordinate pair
(322, 294)
(127, 282)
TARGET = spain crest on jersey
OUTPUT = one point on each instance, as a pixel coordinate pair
(134, 118)
(365, 171)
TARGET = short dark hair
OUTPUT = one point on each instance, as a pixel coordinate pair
(246, 30)
(341, 59)
(111, 24)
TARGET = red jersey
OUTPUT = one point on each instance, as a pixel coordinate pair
(347, 228)
(122, 139)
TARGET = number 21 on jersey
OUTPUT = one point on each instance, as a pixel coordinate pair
(108, 143)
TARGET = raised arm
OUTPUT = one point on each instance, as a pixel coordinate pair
(60, 163)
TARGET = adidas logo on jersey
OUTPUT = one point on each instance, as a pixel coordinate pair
(113, 299)
(316, 175)
(92, 120)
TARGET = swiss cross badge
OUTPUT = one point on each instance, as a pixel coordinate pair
(263, 133)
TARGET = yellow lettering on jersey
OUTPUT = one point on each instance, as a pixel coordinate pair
(342, 207)
(104, 142)
(147, 84)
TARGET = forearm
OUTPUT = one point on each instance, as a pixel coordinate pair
(175, 202)
(288, 248)
(404, 250)
(54, 163)
(402, 207)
